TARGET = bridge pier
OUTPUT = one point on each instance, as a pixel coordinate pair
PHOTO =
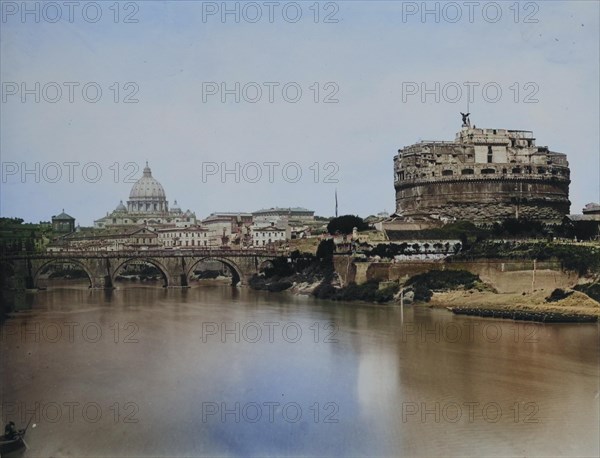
(103, 282)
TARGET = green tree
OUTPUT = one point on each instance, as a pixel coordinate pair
(345, 224)
(325, 251)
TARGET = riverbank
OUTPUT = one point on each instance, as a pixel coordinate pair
(576, 303)
(489, 289)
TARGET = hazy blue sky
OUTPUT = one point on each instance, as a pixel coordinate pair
(367, 57)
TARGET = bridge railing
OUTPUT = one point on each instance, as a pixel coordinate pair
(73, 253)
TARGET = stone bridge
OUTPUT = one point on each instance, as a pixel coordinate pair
(103, 268)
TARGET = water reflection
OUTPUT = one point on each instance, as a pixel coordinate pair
(233, 372)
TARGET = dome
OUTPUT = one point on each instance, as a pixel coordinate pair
(121, 207)
(175, 208)
(147, 188)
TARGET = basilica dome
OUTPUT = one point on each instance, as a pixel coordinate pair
(147, 195)
(147, 188)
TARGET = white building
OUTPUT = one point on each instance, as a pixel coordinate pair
(269, 235)
(291, 213)
(116, 239)
(188, 237)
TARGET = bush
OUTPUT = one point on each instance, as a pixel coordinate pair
(345, 224)
(558, 294)
(440, 280)
(591, 289)
(368, 292)
(325, 251)
(581, 259)
(385, 250)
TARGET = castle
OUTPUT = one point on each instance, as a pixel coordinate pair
(485, 175)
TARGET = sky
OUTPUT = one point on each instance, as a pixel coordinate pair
(239, 106)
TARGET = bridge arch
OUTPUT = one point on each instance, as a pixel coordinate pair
(163, 270)
(236, 271)
(7, 272)
(35, 274)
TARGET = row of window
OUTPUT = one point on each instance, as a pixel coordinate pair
(486, 171)
(160, 221)
(269, 234)
(264, 242)
(182, 234)
(171, 243)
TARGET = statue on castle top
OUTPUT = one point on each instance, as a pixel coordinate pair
(465, 119)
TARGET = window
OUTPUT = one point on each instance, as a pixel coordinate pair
(467, 172)
(488, 171)
(490, 155)
(516, 170)
(446, 173)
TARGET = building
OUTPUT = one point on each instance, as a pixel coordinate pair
(587, 225)
(63, 223)
(147, 205)
(230, 222)
(291, 213)
(485, 175)
(188, 237)
(113, 239)
(591, 209)
(269, 235)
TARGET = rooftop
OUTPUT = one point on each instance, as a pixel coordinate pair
(283, 209)
(63, 216)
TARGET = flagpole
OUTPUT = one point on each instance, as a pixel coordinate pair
(336, 203)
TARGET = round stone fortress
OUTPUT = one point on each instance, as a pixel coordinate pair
(485, 175)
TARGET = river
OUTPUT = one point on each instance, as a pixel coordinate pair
(222, 371)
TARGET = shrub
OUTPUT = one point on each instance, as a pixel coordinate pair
(558, 294)
(345, 224)
(440, 280)
(591, 289)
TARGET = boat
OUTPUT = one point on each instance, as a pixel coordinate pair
(14, 444)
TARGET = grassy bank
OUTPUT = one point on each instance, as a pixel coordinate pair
(581, 259)
(576, 303)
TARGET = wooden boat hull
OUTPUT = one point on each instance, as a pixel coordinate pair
(11, 446)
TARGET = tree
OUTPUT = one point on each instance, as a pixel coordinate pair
(345, 224)
(325, 251)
